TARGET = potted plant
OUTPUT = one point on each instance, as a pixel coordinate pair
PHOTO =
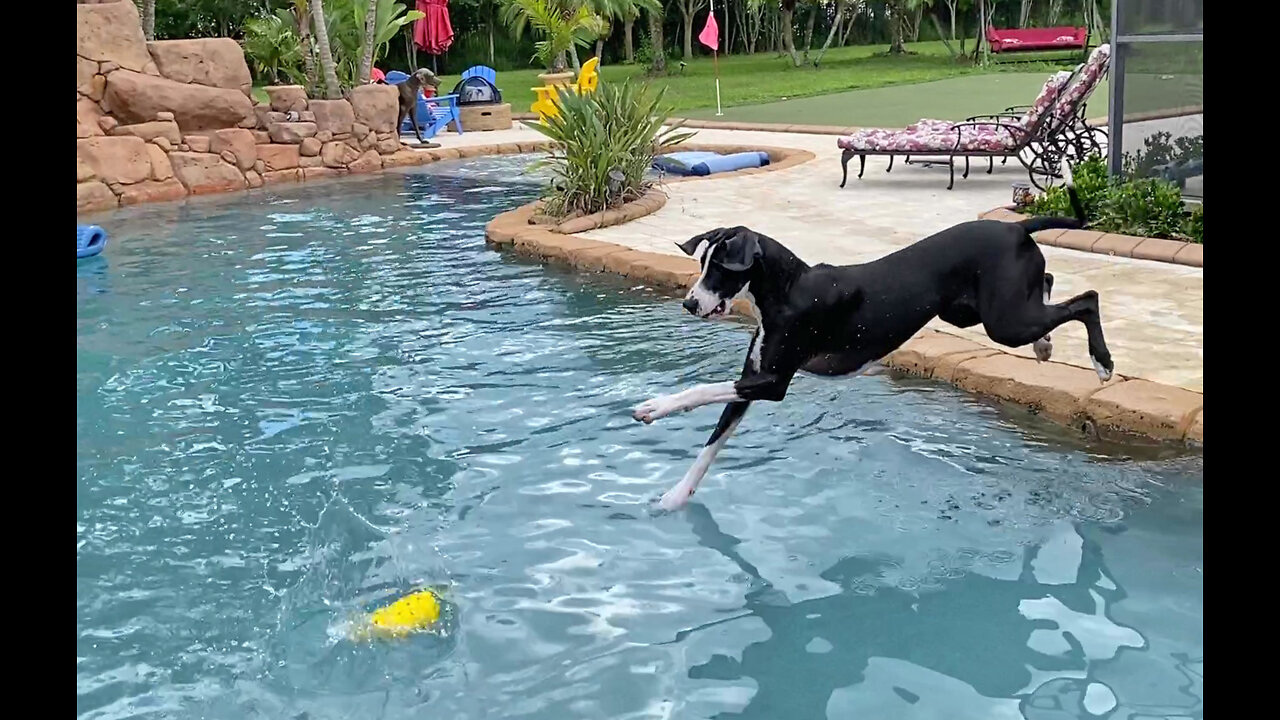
(561, 24)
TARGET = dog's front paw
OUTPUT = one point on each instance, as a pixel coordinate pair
(654, 409)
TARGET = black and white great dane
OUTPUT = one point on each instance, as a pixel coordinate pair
(831, 320)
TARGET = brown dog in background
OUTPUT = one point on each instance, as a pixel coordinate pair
(409, 90)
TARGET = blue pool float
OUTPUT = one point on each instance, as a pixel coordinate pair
(90, 240)
(706, 163)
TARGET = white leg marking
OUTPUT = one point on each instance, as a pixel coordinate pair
(758, 342)
(677, 496)
(694, 397)
(1103, 373)
(1042, 347)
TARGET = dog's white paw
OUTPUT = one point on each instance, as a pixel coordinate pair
(1103, 373)
(676, 498)
(1043, 349)
(655, 409)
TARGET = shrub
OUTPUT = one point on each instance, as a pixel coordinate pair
(604, 145)
(273, 48)
(1147, 207)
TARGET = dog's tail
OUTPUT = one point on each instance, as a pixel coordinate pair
(1036, 224)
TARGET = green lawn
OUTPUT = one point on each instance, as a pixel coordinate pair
(764, 77)
(857, 85)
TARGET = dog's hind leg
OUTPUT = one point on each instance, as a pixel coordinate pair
(676, 497)
(1034, 320)
(1044, 346)
(413, 116)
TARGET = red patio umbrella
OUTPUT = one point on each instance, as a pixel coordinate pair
(434, 32)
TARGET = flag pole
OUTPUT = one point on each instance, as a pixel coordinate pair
(715, 61)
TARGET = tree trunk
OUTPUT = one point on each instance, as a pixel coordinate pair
(688, 29)
(808, 29)
(848, 29)
(149, 19)
(1055, 7)
(788, 34)
(1024, 13)
(370, 30)
(332, 90)
(628, 49)
(897, 25)
(573, 55)
(659, 62)
(835, 30)
(308, 54)
(938, 26)
(492, 10)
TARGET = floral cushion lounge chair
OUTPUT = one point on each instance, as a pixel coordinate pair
(1039, 135)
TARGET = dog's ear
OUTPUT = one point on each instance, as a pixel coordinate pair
(690, 246)
(740, 251)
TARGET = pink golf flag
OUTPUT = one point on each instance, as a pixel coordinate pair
(710, 35)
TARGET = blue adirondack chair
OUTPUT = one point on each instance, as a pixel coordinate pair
(433, 114)
(482, 71)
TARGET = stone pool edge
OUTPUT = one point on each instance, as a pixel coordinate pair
(1105, 243)
(1066, 394)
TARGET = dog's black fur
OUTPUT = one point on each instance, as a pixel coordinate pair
(832, 320)
(409, 90)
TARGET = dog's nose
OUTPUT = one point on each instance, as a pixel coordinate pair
(691, 305)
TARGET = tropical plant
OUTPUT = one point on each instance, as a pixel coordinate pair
(346, 22)
(562, 24)
(1146, 207)
(604, 145)
(370, 30)
(272, 46)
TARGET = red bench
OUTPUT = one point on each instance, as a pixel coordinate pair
(1031, 39)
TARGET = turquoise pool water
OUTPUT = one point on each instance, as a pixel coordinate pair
(297, 404)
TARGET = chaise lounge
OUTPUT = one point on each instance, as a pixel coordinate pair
(1039, 135)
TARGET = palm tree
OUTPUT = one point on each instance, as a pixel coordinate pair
(332, 91)
(625, 10)
(659, 62)
(149, 19)
(563, 24)
(370, 36)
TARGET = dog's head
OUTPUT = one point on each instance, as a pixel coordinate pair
(727, 256)
(426, 78)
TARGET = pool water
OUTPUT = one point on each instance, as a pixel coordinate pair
(298, 404)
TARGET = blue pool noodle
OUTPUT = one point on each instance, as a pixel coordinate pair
(706, 163)
(90, 240)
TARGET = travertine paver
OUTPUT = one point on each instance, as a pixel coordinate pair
(1153, 312)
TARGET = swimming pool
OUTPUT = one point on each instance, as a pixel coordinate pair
(296, 404)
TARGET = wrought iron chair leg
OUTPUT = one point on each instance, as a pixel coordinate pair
(862, 165)
(951, 163)
(991, 164)
(965, 176)
(890, 164)
(844, 166)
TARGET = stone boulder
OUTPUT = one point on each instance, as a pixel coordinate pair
(334, 116)
(278, 157)
(291, 133)
(87, 115)
(336, 154)
(213, 62)
(85, 70)
(122, 160)
(239, 142)
(149, 131)
(370, 161)
(111, 32)
(202, 173)
(287, 97)
(376, 106)
(153, 191)
(94, 195)
(134, 97)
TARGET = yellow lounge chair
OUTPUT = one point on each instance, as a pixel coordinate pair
(545, 104)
